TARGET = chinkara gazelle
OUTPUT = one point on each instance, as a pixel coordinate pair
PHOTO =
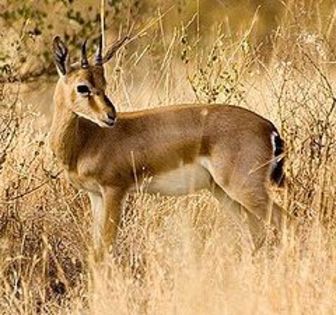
(231, 151)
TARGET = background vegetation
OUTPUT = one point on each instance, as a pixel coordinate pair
(176, 255)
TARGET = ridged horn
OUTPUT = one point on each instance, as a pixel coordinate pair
(84, 60)
(99, 57)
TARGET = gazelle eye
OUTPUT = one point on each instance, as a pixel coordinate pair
(83, 89)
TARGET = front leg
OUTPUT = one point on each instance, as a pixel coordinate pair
(97, 209)
(112, 199)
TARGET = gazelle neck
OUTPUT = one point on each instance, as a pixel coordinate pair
(64, 137)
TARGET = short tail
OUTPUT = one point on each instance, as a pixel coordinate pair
(278, 173)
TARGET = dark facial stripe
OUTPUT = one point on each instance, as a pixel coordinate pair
(108, 102)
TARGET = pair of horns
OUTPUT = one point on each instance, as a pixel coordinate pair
(99, 59)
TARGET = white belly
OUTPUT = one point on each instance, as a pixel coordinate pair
(185, 179)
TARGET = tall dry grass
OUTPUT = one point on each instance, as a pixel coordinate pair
(180, 255)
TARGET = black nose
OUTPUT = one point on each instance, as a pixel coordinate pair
(111, 116)
(111, 119)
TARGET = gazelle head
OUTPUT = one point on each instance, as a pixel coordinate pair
(82, 85)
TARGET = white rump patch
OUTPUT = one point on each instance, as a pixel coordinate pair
(274, 134)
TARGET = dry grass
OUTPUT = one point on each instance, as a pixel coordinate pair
(179, 255)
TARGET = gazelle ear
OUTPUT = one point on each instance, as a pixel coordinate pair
(61, 56)
(112, 50)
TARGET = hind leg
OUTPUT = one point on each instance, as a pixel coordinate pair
(257, 201)
(238, 212)
(260, 213)
(257, 229)
(254, 196)
(247, 185)
(232, 206)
